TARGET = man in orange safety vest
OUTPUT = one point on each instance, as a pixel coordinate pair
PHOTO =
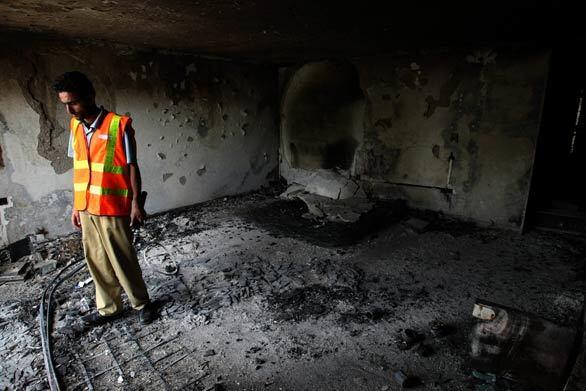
(106, 191)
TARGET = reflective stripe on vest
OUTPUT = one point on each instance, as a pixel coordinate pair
(98, 167)
(98, 190)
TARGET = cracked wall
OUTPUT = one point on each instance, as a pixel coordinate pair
(478, 108)
(204, 128)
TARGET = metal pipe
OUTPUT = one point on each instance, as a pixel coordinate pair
(118, 367)
(442, 189)
(86, 376)
(450, 165)
(148, 360)
(45, 320)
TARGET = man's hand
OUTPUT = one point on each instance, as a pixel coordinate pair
(75, 219)
(137, 214)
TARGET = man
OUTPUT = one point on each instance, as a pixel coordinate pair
(107, 188)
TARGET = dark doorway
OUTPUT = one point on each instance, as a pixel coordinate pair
(558, 196)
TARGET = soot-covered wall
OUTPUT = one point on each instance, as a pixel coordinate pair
(204, 128)
(479, 109)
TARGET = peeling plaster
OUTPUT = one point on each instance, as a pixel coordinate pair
(34, 84)
(30, 170)
(4, 223)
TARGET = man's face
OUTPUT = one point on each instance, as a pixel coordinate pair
(77, 106)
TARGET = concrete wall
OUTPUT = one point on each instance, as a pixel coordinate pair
(482, 107)
(204, 128)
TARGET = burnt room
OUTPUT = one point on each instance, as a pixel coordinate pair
(292, 195)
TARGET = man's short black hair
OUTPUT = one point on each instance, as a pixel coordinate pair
(76, 83)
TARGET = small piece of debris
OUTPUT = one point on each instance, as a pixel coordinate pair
(406, 381)
(417, 225)
(408, 338)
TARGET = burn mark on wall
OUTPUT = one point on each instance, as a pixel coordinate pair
(446, 91)
(524, 181)
(381, 161)
(378, 160)
(384, 123)
(3, 124)
(436, 151)
(3, 128)
(473, 166)
(469, 102)
(339, 154)
(202, 128)
(257, 164)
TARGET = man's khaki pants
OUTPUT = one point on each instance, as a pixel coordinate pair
(112, 262)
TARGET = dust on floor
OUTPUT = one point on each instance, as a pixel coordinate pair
(251, 297)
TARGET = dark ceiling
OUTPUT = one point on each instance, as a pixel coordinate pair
(286, 30)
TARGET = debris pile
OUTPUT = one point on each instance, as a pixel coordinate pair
(46, 257)
(331, 196)
(19, 348)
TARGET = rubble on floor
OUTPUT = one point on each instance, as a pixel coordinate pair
(251, 296)
(331, 196)
(330, 184)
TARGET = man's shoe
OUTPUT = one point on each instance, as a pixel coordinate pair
(95, 319)
(147, 314)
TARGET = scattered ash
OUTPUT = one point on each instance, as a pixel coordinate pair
(312, 301)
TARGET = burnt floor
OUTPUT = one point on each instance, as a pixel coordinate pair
(264, 299)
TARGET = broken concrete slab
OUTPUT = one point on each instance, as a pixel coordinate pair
(48, 267)
(18, 271)
(328, 183)
(292, 191)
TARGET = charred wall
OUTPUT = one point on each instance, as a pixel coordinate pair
(204, 128)
(479, 109)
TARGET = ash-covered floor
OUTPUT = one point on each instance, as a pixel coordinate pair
(265, 299)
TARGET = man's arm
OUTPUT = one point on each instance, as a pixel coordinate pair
(74, 213)
(137, 213)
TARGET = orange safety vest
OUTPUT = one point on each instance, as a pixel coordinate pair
(101, 179)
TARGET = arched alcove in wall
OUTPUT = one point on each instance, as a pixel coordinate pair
(322, 116)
